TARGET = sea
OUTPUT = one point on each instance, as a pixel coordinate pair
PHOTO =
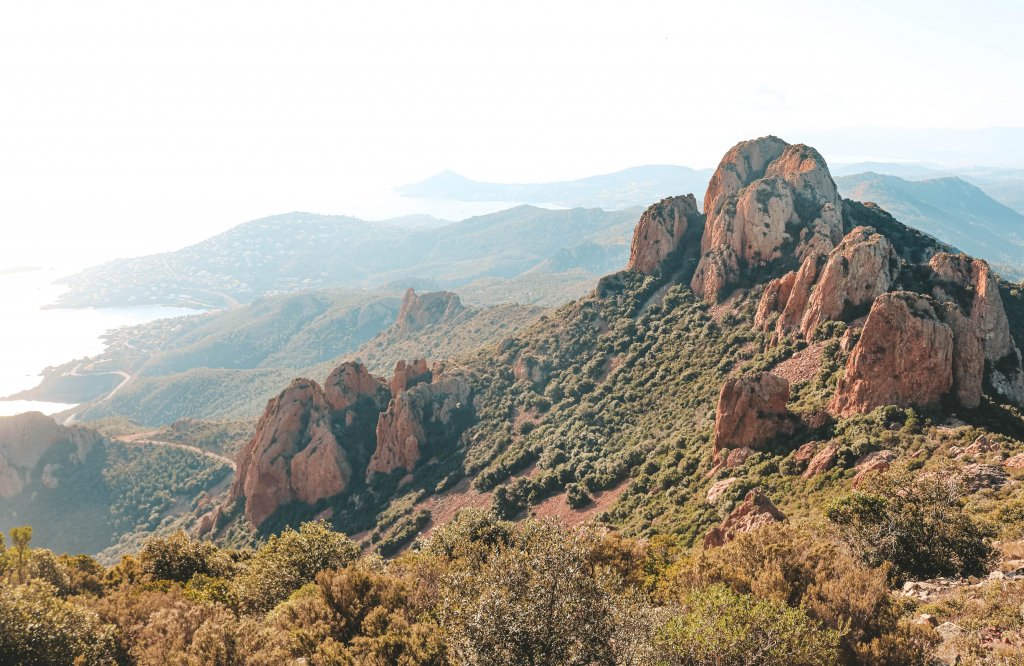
(33, 337)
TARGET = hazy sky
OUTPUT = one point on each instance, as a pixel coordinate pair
(128, 127)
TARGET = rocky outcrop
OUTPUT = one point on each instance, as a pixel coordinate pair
(420, 311)
(424, 415)
(27, 438)
(752, 412)
(294, 454)
(408, 374)
(350, 383)
(837, 286)
(904, 357)
(718, 488)
(531, 369)
(974, 310)
(755, 511)
(659, 232)
(766, 199)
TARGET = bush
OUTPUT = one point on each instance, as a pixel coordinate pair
(916, 523)
(719, 627)
(179, 557)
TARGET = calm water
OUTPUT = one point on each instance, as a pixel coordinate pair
(32, 338)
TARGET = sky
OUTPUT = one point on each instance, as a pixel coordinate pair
(134, 127)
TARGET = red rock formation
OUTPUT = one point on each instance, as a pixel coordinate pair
(904, 357)
(293, 455)
(851, 276)
(976, 314)
(351, 382)
(414, 418)
(762, 191)
(408, 374)
(717, 489)
(659, 232)
(823, 460)
(752, 412)
(419, 311)
(755, 511)
(529, 368)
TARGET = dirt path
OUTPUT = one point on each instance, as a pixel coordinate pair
(145, 438)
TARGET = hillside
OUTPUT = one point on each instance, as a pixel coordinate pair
(83, 492)
(795, 421)
(950, 209)
(302, 251)
(227, 364)
(617, 398)
(636, 186)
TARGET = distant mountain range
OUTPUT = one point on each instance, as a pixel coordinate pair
(636, 186)
(300, 251)
(951, 210)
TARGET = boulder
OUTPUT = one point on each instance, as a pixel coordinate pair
(872, 463)
(659, 232)
(824, 460)
(904, 357)
(718, 489)
(1014, 462)
(752, 412)
(755, 511)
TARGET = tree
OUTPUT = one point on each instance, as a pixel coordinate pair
(536, 601)
(288, 561)
(179, 557)
(20, 538)
(915, 522)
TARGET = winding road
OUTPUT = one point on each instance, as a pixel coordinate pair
(146, 439)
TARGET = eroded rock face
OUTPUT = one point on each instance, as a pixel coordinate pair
(765, 199)
(755, 511)
(752, 412)
(659, 232)
(875, 462)
(837, 286)
(823, 460)
(981, 329)
(408, 374)
(26, 438)
(419, 311)
(423, 415)
(294, 454)
(904, 357)
(351, 382)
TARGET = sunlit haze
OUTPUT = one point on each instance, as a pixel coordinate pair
(126, 130)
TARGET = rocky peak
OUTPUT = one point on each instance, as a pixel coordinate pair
(660, 231)
(294, 454)
(904, 357)
(745, 162)
(421, 310)
(767, 199)
(350, 383)
(752, 412)
(755, 511)
(26, 438)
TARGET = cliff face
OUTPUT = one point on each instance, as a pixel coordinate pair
(660, 232)
(26, 438)
(904, 357)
